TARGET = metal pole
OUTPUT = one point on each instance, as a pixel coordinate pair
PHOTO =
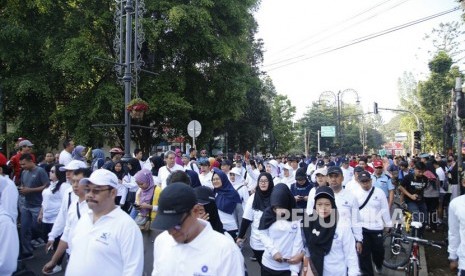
(318, 140)
(193, 138)
(458, 97)
(339, 118)
(127, 79)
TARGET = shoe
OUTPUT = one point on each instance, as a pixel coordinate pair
(25, 256)
(56, 269)
(253, 259)
(379, 270)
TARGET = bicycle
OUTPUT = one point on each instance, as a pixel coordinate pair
(400, 244)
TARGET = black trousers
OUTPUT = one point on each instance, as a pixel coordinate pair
(258, 254)
(373, 250)
(270, 272)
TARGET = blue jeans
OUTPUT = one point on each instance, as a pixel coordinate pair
(134, 213)
(419, 213)
(29, 227)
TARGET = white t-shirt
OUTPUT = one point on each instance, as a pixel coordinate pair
(210, 253)
(375, 215)
(348, 175)
(65, 157)
(10, 243)
(51, 202)
(206, 180)
(9, 197)
(111, 246)
(164, 172)
(284, 237)
(456, 247)
(254, 216)
(75, 210)
(228, 220)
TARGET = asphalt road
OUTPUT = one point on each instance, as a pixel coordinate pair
(40, 258)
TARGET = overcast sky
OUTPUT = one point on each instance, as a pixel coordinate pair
(300, 30)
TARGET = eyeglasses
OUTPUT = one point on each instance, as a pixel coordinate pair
(178, 226)
(95, 191)
(263, 181)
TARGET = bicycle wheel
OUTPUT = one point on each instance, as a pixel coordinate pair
(396, 251)
(412, 269)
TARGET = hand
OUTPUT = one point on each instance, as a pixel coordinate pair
(278, 257)
(205, 216)
(453, 265)
(296, 259)
(414, 197)
(40, 217)
(239, 241)
(48, 245)
(24, 190)
(48, 267)
(297, 198)
(358, 247)
(305, 198)
(145, 206)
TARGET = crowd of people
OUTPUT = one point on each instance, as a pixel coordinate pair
(317, 215)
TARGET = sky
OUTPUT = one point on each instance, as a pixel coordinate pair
(300, 30)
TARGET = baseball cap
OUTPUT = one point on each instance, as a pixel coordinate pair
(320, 163)
(116, 150)
(334, 170)
(204, 195)
(324, 191)
(26, 143)
(101, 177)
(358, 169)
(235, 171)
(322, 171)
(364, 176)
(175, 200)
(74, 165)
(377, 163)
(287, 167)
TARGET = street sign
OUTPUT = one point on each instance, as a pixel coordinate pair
(328, 131)
(194, 128)
(401, 136)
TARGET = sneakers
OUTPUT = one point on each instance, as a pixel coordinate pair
(379, 270)
(25, 256)
(56, 269)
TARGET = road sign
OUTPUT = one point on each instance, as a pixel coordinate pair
(328, 131)
(401, 136)
(194, 128)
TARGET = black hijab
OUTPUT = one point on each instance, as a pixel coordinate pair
(121, 173)
(319, 238)
(157, 162)
(262, 198)
(280, 197)
(135, 166)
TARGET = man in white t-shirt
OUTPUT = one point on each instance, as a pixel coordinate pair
(107, 241)
(205, 175)
(347, 172)
(170, 167)
(65, 154)
(186, 236)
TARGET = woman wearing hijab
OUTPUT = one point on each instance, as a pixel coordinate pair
(330, 246)
(282, 238)
(157, 162)
(79, 153)
(256, 204)
(227, 200)
(98, 159)
(146, 203)
(118, 169)
(272, 168)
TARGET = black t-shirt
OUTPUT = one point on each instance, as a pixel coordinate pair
(414, 185)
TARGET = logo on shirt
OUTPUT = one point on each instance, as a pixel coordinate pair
(204, 268)
(317, 233)
(104, 238)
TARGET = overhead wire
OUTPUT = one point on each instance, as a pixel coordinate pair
(361, 39)
(335, 26)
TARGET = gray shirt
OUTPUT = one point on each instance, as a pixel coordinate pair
(32, 179)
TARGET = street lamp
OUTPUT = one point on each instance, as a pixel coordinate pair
(338, 101)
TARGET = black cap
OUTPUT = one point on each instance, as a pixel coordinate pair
(204, 195)
(324, 191)
(334, 170)
(175, 200)
(358, 169)
(320, 163)
(364, 176)
(300, 174)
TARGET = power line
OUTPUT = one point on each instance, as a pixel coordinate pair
(332, 33)
(364, 38)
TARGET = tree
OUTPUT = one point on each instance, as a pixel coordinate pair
(282, 112)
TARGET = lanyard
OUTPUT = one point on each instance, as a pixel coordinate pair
(77, 208)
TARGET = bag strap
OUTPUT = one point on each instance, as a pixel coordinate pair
(368, 198)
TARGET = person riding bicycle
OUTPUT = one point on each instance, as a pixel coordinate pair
(413, 186)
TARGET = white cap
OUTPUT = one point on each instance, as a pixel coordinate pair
(287, 167)
(101, 177)
(235, 171)
(323, 171)
(273, 163)
(74, 165)
(25, 143)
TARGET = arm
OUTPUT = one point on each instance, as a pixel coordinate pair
(60, 221)
(27, 190)
(297, 252)
(62, 246)
(232, 262)
(268, 242)
(454, 231)
(350, 255)
(385, 212)
(132, 245)
(356, 228)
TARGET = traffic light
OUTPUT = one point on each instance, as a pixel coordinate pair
(417, 145)
(375, 108)
(417, 135)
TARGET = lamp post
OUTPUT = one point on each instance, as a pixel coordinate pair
(338, 102)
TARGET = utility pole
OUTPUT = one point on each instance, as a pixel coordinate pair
(458, 123)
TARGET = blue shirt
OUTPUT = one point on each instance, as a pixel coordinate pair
(383, 182)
